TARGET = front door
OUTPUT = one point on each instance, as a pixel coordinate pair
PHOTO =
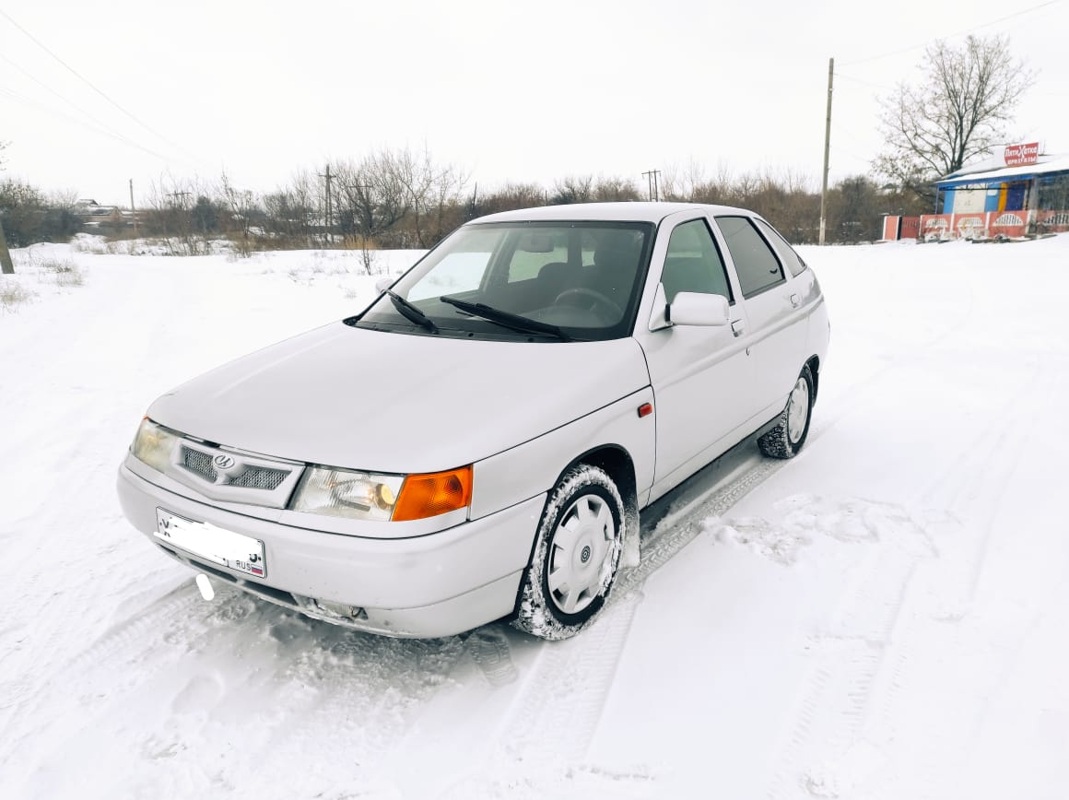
(701, 375)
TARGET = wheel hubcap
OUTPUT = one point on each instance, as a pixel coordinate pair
(798, 410)
(581, 553)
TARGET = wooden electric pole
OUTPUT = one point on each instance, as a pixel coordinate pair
(827, 150)
(330, 216)
(6, 266)
(133, 211)
(653, 189)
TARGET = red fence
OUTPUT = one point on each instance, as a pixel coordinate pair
(973, 226)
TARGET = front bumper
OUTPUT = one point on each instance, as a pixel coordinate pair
(426, 586)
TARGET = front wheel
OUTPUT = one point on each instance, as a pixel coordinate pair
(787, 438)
(576, 555)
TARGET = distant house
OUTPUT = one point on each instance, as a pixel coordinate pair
(92, 213)
(91, 208)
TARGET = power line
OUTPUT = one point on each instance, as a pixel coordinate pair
(92, 86)
(96, 127)
(863, 82)
(951, 35)
(101, 127)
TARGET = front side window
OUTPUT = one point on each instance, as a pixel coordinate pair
(758, 266)
(521, 280)
(693, 263)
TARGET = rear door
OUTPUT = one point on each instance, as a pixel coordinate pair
(776, 332)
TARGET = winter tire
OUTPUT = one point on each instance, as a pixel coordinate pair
(787, 438)
(576, 555)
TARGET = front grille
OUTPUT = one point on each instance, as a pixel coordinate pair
(198, 463)
(260, 478)
(234, 476)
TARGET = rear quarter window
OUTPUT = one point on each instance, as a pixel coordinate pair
(794, 263)
(756, 262)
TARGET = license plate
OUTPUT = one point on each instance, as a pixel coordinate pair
(218, 545)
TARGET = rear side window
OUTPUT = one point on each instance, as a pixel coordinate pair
(693, 263)
(757, 264)
(787, 253)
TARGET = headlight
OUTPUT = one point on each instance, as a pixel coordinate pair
(344, 493)
(153, 445)
(372, 496)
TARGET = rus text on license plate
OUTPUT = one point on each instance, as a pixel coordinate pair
(218, 545)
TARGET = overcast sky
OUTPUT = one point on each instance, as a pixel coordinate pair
(95, 94)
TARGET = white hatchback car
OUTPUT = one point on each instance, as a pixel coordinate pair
(478, 442)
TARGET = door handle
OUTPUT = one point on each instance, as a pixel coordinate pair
(738, 327)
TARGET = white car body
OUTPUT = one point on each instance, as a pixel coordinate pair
(676, 388)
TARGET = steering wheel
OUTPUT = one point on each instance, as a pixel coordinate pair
(595, 301)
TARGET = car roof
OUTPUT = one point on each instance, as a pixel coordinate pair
(611, 212)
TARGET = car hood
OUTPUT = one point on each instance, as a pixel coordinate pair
(391, 402)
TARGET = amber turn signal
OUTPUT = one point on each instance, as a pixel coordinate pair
(435, 493)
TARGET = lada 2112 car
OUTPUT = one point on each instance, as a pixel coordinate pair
(478, 443)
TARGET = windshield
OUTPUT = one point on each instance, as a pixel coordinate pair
(552, 281)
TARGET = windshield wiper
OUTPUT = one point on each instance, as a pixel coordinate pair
(411, 312)
(506, 318)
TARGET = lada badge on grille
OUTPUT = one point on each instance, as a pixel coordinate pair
(223, 462)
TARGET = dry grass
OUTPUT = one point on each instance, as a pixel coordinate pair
(65, 272)
(13, 293)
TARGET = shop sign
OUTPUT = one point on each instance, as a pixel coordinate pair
(1019, 155)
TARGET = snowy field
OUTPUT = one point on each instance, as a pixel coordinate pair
(884, 617)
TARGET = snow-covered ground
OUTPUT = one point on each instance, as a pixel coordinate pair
(886, 616)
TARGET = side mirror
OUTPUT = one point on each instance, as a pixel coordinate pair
(383, 283)
(696, 308)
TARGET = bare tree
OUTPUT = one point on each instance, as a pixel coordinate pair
(509, 197)
(240, 206)
(615, 189)
(958, 110)
(373, 197)
(573, 189)
(293, 214)
(430, 190)
(183, 213)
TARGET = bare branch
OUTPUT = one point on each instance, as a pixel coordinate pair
(958, 111)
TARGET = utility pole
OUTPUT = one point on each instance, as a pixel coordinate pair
(653, 188)
(6, 266)
(330, 215)
(827, 150)
(133, 211)
(174, 199)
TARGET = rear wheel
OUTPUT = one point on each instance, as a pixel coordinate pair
(787, 438)
(576, 555)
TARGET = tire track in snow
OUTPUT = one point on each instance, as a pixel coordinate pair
(543, 737)
(851, 649)
(226, 696)
(865, 658)
(30, 701)
(951, 621)
(991, 465)
(679, 528)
